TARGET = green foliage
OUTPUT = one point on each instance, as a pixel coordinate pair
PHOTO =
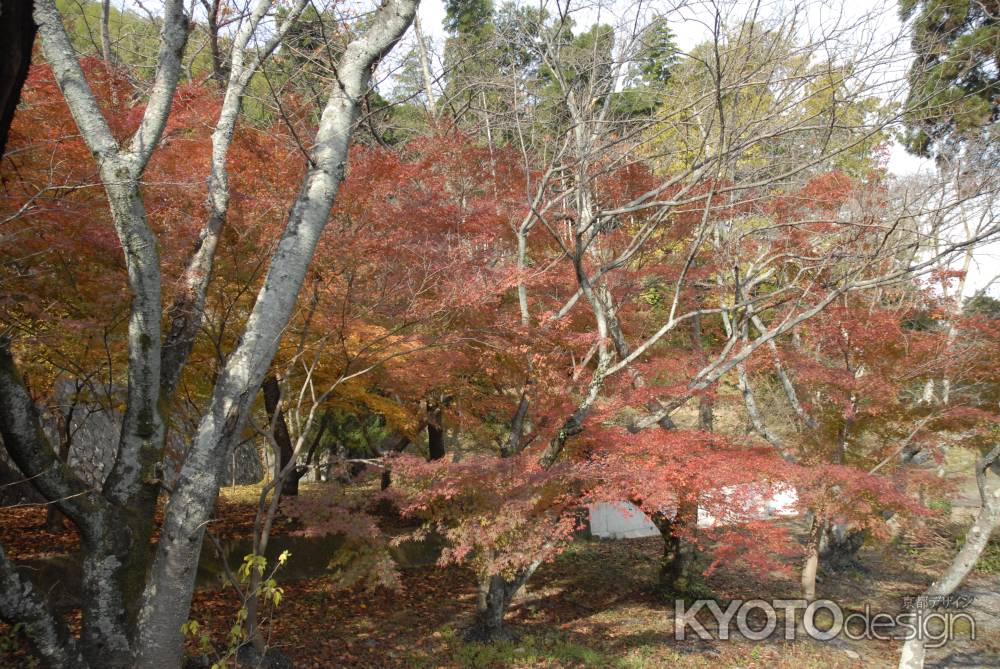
(135, 39)
(470, 57)
(468, 18)
(989, 561)
(584, 63)
(768, 83)
(251, 573)
(650, 71)
(954, 79)
(192, 629)
(659, 53)
(941, 505)
(983, 305)
(921, 321)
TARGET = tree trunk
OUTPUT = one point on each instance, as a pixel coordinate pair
(515, 440)
(706, 413)
(811, 564)
(677, 563)
(786, 383)
(494, 596)
(395, 443)
(219, 73)
(976, 539)
(435, 431)
(104, 630)
(55, 520)
(116, 557)
(170, 586)
(492, 599)
(17, 35)
(425, 70)
(21, 602)
(668, 575)
(839, 546)
(106, 31)
(116, 523)
(272, 404)
(706, 405)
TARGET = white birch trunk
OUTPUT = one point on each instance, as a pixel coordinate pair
(112, 567)
(168, 593)
(987, 519)
(423, 53)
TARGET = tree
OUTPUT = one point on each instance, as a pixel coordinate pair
(18, 31)
(954, 77)
(131, 619)
(551, 272)
(612, 230)
(972, 391)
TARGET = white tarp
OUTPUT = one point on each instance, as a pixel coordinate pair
(622, 520)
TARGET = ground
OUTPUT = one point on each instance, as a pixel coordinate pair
(595, 606)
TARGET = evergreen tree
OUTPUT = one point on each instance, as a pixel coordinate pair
(955, 76)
